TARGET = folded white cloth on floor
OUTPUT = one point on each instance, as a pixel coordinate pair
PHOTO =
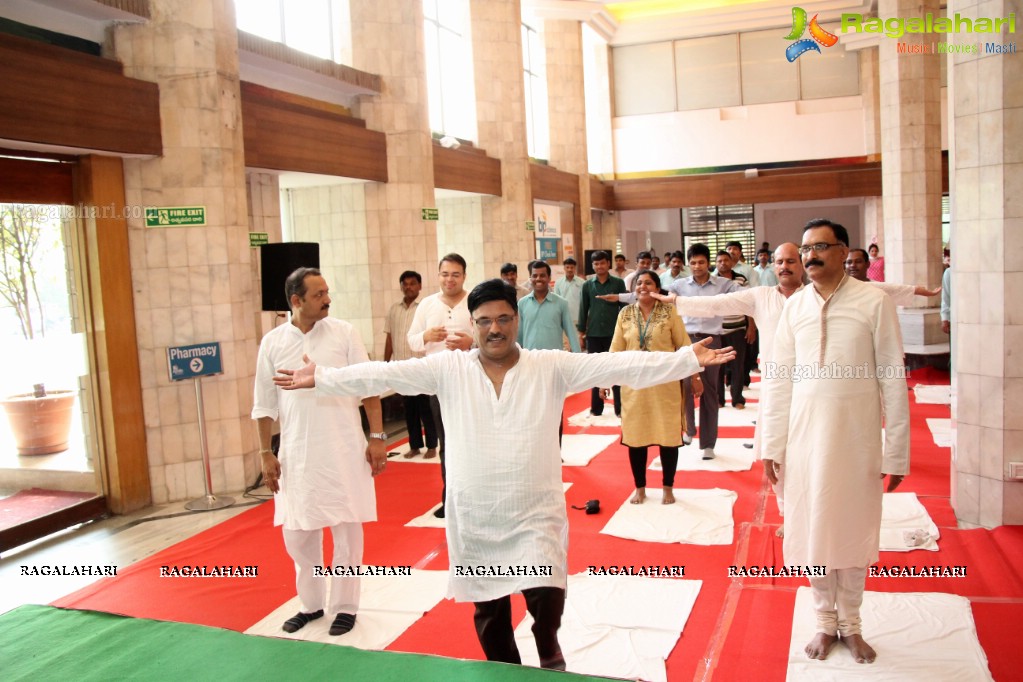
(917, 636)
(941, 432)
(698, 517)
(902, 513)
(732, 455)
(577, 450)
(388, 606)
(933, 395)
(428, 520)
(604, 632)
(608, 418)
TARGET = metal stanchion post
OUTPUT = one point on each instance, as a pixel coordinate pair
(211, 501)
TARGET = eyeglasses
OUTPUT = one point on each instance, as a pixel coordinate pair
(819, 247)
(502, 321)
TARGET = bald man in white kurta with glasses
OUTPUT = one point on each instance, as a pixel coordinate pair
(507, 529)
(838, 370)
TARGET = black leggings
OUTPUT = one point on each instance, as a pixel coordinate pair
(669, 462)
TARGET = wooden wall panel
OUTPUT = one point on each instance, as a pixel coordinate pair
(468, 170)
(602, 195)
(282, 134)
(35, 182)
(734, 188)
(55, 96)
(551, 184)
(99, 181)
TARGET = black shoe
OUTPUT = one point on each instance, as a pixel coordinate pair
(298, 621)
(439, 512)
(596, 414)
(343, 623)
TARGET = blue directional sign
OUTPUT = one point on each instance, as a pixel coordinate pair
(197, 360)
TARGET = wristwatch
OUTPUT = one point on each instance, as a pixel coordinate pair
(382, 435)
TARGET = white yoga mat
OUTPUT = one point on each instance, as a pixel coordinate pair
(577, 450)
(901, 513)
(388, 606)
(933, 394)
(428, 520)
(604, 632)
(941, 431)
(698, 517)
(607, 419)
(917, 636)
(732, 455)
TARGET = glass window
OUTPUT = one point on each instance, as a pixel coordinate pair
(644, 79)
(707, 72)
(835, 72)
(449, 74)
(766, 75)
(317, 27)
(534, 65)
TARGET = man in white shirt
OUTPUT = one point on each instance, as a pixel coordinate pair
(841, 338)
(418, 414)
(442, 323)
(643, 260)
(765, 269)
(507, 529)
(676, 269)
(323, 476)
(510, 274)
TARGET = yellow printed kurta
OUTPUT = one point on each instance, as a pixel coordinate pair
(651, 416)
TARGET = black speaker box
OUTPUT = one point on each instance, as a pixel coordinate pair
(277, 262)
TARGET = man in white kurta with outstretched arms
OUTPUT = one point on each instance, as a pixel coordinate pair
(323, 478)
(838, 366)
(507, 530)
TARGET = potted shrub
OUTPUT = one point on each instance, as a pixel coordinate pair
(40, 420)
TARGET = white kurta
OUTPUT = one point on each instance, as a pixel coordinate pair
(505, 503)
(826, 430)
(325, 478)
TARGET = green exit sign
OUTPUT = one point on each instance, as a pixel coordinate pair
(431, 214)
(258, 238)
(175, 216)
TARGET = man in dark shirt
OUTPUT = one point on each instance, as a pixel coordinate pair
(597, 320)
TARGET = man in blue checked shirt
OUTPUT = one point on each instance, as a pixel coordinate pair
(702, 283)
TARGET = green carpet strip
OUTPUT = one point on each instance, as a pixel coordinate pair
(48, 643)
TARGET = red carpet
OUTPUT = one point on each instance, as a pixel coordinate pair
(739, 627)
(26, 505)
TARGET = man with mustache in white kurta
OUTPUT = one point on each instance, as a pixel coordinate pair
(507, 529)
(838, 363)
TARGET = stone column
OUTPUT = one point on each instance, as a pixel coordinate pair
(501, 122)
(986, 168)
(911, 166)
(387, 37)
(192, 284)
(567, 106)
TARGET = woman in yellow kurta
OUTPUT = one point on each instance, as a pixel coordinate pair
(651, 416)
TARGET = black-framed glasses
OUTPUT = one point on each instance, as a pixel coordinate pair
(487, 322)
(819, 247)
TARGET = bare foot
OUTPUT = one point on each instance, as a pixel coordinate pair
(780, 532)
(668, 496)
(820, 646)
(860, 650)
(411, 453)
(430, 454)
(639, 497)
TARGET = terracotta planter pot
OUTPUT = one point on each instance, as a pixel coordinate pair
(41, 426)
